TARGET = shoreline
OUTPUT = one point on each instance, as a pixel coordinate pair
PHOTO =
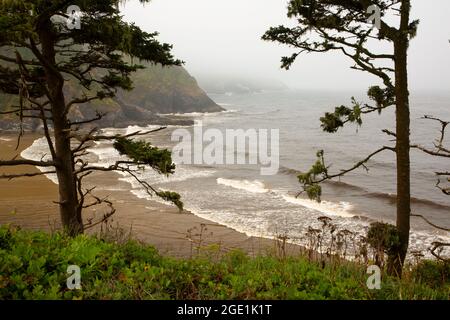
(29, 203)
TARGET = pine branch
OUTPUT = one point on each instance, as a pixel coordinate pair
(357, 165)
(318, 174)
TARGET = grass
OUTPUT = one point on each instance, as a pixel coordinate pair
(33, 265)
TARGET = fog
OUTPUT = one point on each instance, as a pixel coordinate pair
(223, 39)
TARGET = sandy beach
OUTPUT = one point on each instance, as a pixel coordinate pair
(29, 203)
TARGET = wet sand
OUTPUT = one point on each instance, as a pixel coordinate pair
(29, 203)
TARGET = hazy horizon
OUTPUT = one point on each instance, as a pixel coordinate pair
(223, 40)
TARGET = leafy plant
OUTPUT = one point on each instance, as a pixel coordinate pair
(34, 266)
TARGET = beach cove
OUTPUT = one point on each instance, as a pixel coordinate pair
(30, 204)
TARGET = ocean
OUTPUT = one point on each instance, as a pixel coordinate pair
(239, 197)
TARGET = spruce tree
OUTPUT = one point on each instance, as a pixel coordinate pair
(353, 28)
(46, 43)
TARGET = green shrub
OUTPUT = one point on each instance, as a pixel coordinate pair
(33, 265)
(434, 273)
(384, 238)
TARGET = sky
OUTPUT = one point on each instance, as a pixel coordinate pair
(218, 38)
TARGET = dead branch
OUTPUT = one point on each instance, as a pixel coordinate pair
(356, 166)
(22, 175)
(130, 135)
(25, 162)
(437, 246)
(429, 222)
(98, 116)
(439, 149)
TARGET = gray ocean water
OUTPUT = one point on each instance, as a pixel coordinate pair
(241, 198)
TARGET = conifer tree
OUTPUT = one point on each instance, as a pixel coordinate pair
(354, 28)
(46, 43)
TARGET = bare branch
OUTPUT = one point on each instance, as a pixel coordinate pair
(24, 175)
(356, 166)
(437, 153)
(436, 246)
(98, 116)
(25, 162)
(440, 150)
(429, 222)
(134, 134)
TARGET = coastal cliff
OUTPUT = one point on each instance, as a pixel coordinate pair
(157, 91)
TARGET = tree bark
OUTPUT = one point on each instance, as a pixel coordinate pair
(65, 167)
(396, 261)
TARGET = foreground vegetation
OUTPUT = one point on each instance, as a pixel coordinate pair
(33, 265)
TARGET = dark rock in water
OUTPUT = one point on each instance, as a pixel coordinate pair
(157, 91)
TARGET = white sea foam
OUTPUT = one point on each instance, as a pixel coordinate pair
(294, 224)
(198, 114)
(340, 209)
(106, 155)
(259, 211)
(135, 129)
(143, 194)
(182, 173)
(132, 129)
(5, 139)
(39, 151)
(255, 186)
(253, 226)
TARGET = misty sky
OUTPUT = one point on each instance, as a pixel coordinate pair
(222, 38)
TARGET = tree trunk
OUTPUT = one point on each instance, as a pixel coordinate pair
(396, 261)
(65, 167)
